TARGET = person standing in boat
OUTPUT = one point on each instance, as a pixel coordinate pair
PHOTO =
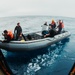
(60, 26)
(17, 31)
(44, 29)
(8, 36)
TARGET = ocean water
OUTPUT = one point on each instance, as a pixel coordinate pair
(56, 59)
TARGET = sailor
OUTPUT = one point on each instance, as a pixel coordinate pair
(17, 31)
(44, 29)
(8, 35)
(53, 24)
(60, 26)
(51, 33)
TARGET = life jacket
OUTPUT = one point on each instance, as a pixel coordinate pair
(10, 34)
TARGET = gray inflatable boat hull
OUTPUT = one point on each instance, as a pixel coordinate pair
(33, 44)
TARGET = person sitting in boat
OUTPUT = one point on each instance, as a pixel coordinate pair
(52, 33)
(52, 25)
(44, 29)
(60, 26)
(17, 31)
(8, 35)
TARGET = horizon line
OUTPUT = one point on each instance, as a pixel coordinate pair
(36, 15)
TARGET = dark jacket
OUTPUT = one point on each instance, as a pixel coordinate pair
(52, 32)
(18, 29)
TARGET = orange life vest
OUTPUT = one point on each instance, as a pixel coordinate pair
(10, 34)
(61, 25)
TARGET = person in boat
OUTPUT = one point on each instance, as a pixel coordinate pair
(17, 31)
(8, 36)
(60, 26)
(44, 29)
(52, 33)
(52, 25)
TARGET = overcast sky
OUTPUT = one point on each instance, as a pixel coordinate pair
(37, 7)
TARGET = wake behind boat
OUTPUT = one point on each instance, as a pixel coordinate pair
(37, 42)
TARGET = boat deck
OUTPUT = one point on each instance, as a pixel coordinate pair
(33, 36)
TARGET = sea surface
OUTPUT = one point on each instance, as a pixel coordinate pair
(56, 59)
